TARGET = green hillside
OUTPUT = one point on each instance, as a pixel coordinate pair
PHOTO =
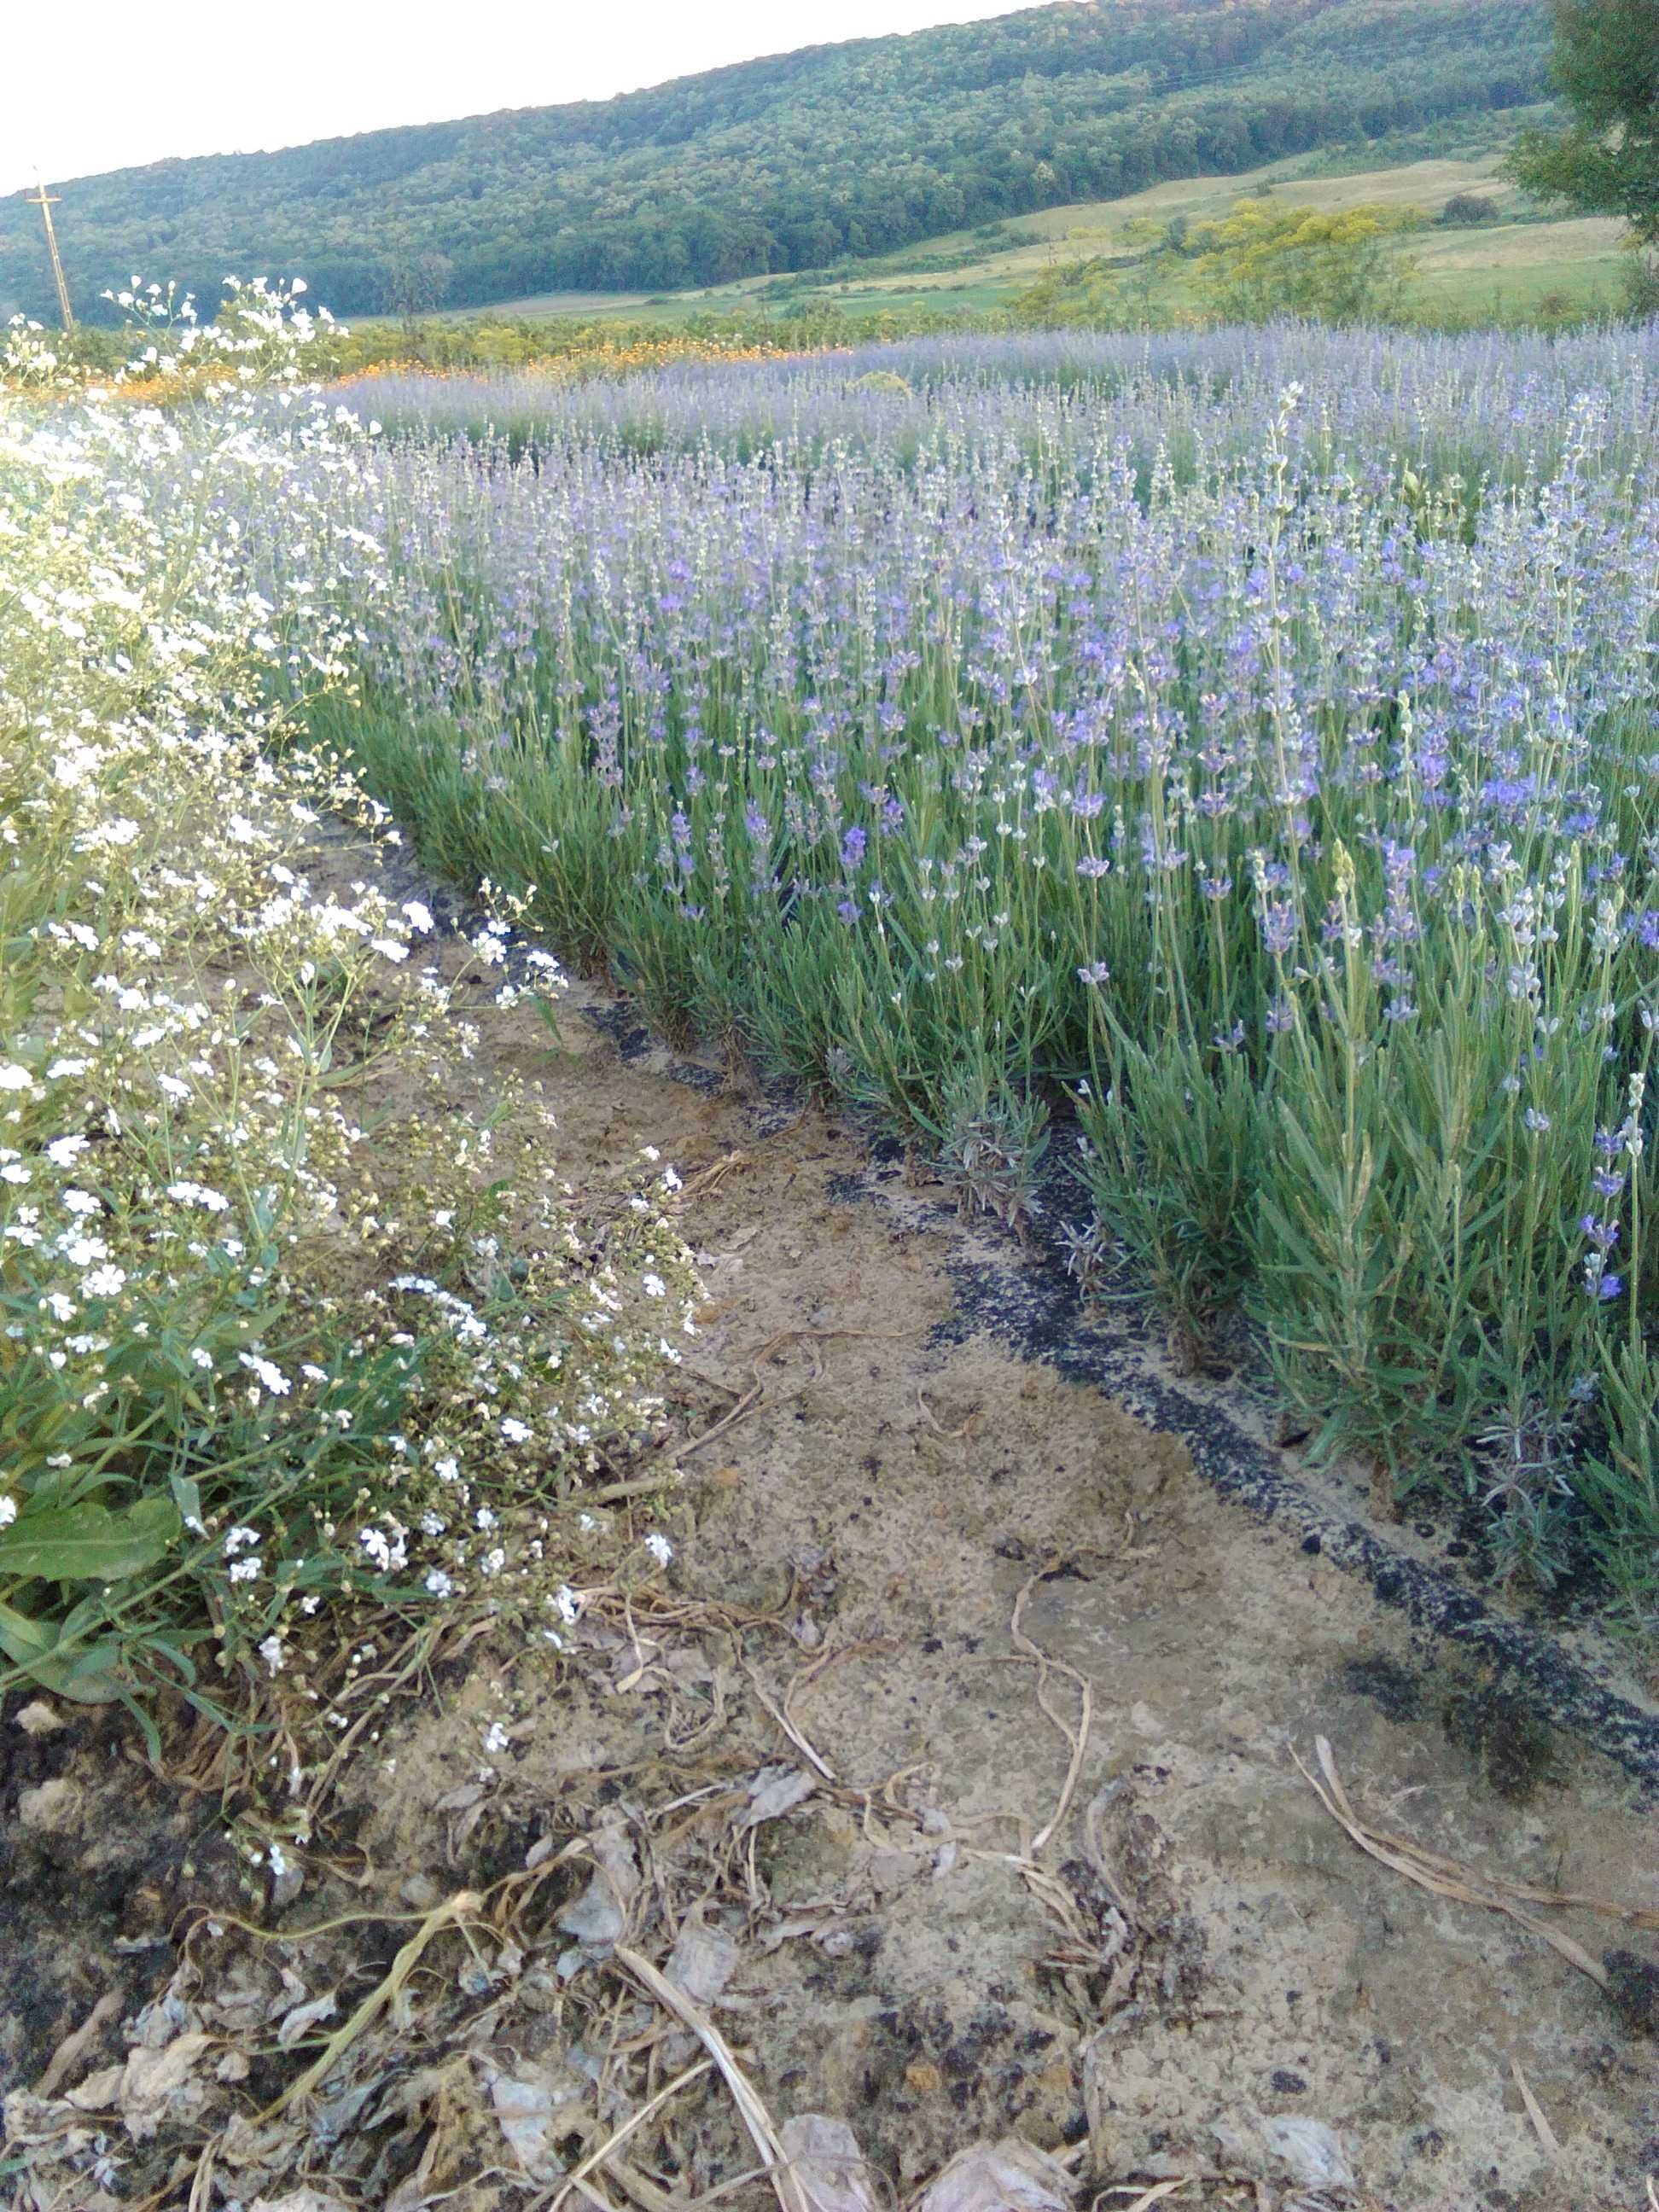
(1519, 264)
(836, 153)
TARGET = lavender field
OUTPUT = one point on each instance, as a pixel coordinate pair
(1197, 796)
(1229, 762)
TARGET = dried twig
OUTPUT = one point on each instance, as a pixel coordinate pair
(596, 2197)
(595, 2159)
(201, 2184)
(451, 1913)
(643, 2191)
(1444, 1877)
(791, 2197)
(614, 1491)
(960, 1433)
(1544, 2132)
(757, 1393)
(716, 1171)
(781, 1715)
(746, 1404)
(1077, 1738)
(803, 1681)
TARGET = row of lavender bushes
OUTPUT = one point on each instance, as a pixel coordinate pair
(1243, 741)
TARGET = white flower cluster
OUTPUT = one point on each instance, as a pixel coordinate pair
(284, 1287)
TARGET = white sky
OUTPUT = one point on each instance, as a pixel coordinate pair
(103, 84)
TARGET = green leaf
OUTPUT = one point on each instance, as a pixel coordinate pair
(85, 1677)
(85, 1673)
(86, 1543)
(187, 1497)
(21, 1638)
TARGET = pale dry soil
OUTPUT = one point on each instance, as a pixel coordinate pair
(1198, 1952)
(908, 1488)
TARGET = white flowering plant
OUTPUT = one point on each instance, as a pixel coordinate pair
(295, 1310)
(260, 335)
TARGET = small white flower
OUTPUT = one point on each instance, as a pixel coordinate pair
(196, 1194)
(659, 1547)
(385, 1553)
(274, 1381)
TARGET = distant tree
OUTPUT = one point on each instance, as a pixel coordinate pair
(1264, 260)
(414, 283)
(1606, 162)
(1463, 209)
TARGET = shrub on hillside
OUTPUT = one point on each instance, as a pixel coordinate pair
(1463, 210)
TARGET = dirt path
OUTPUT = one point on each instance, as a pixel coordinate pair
(827, 1757)
(909, 1477)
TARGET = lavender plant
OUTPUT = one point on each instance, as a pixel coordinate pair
(1255, 732)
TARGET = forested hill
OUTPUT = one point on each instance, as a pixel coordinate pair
(792, 162)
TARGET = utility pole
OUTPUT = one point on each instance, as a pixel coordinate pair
(46, 202)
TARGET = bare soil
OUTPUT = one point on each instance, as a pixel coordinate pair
(946, 1599)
